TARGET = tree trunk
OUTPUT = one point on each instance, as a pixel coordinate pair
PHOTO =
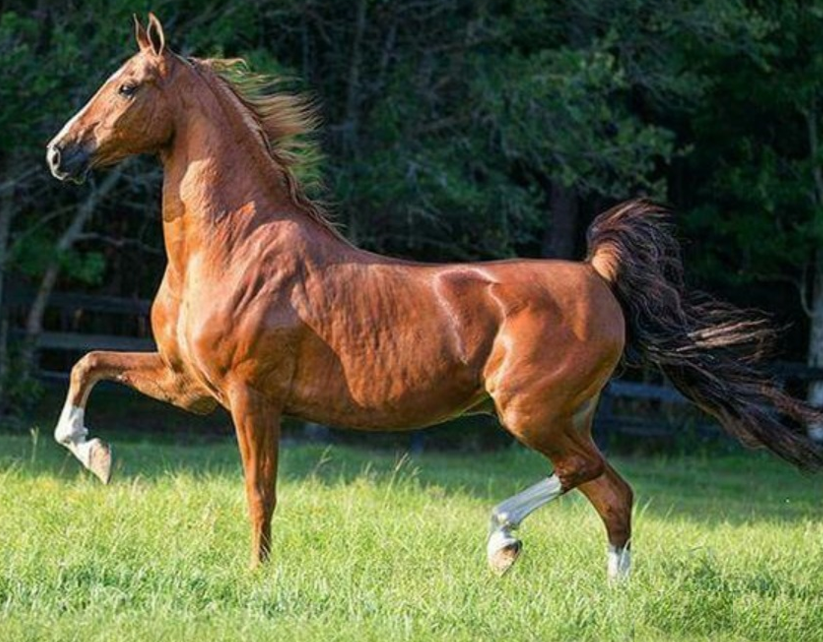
(560, 237)
(34, 320)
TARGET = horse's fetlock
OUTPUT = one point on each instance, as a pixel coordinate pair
(501, 519)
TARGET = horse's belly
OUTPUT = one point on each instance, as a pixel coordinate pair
(371, 398)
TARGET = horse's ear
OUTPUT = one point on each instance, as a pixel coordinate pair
(140, 34)
(157, 40)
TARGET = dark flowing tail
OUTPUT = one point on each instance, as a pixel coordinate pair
(708, 349)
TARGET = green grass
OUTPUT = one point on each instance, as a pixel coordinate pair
(372, 546)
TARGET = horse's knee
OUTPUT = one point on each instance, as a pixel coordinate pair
(85, 367)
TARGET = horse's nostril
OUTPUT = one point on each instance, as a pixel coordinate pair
(53, 157)
(71, 162)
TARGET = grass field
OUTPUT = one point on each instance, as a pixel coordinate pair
(373, 546)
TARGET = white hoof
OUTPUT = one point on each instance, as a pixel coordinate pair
(502, 550)
(99, 460)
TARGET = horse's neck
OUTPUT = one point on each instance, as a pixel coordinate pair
(217, 185)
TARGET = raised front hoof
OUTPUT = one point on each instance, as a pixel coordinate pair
(502, 559)
(100, 460)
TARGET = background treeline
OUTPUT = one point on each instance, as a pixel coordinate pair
(454, 130)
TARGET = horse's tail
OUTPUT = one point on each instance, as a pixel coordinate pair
(708, 349)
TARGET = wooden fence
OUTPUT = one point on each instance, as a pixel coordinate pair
(665, 401)
(73, 321)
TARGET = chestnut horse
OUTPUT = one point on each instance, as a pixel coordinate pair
(265, 309)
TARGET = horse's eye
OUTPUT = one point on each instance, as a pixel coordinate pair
(127, 90)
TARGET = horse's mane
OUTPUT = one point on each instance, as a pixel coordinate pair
(284, 121)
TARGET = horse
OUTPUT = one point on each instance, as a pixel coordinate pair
(267, 310)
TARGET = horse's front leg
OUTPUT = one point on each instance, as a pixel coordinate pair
(257, 422)
(143, 371)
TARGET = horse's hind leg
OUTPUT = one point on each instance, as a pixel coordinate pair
(567, 443)
(578, 463)
(612, 498)
(503, 547)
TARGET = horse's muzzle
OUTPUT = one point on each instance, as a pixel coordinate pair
(68, 163)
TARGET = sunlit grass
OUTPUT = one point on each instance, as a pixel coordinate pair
(376, 546)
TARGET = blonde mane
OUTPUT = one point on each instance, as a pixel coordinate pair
(284, 122)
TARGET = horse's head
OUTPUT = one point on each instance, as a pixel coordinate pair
(130, 114)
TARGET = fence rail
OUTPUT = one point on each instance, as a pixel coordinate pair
(610, 422)
(17, 296)
(65, 310)
(82, 342)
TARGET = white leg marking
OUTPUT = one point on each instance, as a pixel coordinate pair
(71, 432)
(619, 563)
(503, 547)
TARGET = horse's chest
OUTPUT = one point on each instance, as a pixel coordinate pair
(250, 338)
(177, 323)
(203, 334)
